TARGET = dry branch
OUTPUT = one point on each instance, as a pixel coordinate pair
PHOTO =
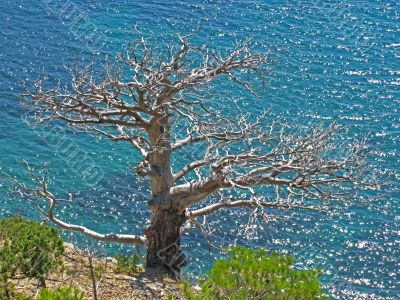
(39, 191)
(150, 93)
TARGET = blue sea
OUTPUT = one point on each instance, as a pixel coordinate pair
(332, 61)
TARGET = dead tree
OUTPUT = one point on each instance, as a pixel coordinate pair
(149, 94)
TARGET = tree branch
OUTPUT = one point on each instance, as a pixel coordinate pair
(245, 203)
(300, 167)
(40, 191)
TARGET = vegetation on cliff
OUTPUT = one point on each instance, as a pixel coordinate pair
(257, 274)
(33, 252)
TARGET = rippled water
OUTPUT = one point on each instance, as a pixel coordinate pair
(332, 61)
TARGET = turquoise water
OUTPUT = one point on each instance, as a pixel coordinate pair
(333, 61)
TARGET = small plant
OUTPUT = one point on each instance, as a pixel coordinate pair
(62, 293)
(99, 270)
(29, 248)
(7, 292)
(7, 268)
(254, 274)
(128, 264)
(170, 296)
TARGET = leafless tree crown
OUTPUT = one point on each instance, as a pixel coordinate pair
(149, 94)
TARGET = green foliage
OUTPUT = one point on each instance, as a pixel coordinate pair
(61, 293)
(128, 264)
(98, 271)
(187, 291)
(7, 292)
(29, 248)
(7, 258)
(254, 274)
(170, 296)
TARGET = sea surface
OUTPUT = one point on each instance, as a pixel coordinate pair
(332, 61)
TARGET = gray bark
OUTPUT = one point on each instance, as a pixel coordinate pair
(242, 153)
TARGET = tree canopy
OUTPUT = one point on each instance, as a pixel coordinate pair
(151, 92)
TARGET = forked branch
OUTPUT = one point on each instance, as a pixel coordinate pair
(310, 169)
(39, 191)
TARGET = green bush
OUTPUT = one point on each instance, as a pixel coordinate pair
(128, 264)
(7, 260)
(7, 291)
(29, 248)
(254, 274)
(61, 293)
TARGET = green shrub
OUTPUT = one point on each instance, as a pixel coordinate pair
(7, 259)
(7, 291)
(61, 293)
(98, 271)
(128, 264)
(29, 248)
(170, 296)
(254, 274)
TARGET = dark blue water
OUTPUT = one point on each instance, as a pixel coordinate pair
(332, 61)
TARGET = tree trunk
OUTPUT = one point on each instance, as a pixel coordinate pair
(42, 282)
(163, 235)
(163, 232)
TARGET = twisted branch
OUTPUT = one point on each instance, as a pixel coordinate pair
(40, 191)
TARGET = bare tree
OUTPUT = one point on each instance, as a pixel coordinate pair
(149, 94)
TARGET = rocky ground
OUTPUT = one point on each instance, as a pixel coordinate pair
(76, 273)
